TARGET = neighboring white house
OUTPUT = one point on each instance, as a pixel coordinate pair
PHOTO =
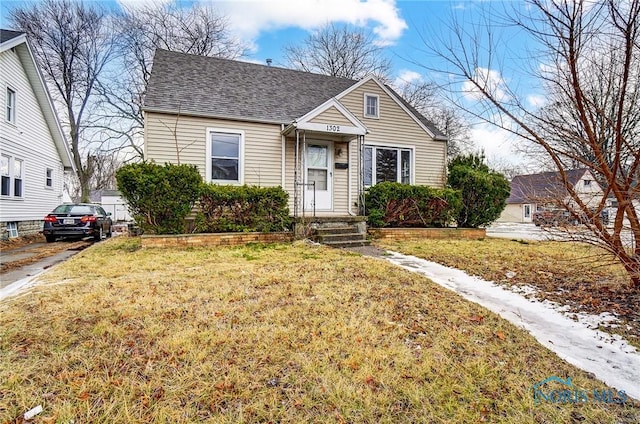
(531, 193)
(33, 150)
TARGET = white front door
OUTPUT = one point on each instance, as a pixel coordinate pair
(319, 170)
(526, 213)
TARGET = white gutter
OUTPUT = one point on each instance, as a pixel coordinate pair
(283, 168)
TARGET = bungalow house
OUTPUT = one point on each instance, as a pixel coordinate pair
(531, 193)
(33, 151)
(323, 139)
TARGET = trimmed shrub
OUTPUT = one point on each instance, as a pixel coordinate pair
(159, 197)
(242, 208)
(484, 191)
(401, 205)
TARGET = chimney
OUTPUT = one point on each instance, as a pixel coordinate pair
(269, 62)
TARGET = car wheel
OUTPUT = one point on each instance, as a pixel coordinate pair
(50, 238)
(98, 236)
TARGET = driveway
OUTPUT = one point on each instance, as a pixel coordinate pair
(19, 266)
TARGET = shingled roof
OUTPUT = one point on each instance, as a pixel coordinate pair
(536, 188)
(7, 34)
(223, 88)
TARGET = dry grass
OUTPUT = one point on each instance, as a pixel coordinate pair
(272, 333)
(580, 276)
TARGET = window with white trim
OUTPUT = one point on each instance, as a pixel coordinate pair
(10, 109)
(224, 156)
(11, 171)
(17, 178)
(371, 106)
(12, 229)
(48, 182)
(382, 163)
(6, 175)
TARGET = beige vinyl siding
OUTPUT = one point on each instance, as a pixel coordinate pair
(513, 213)
(262, 145)
(331, 116)
(29, 140)
(395, 127)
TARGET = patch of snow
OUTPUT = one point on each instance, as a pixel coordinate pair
(609, 357)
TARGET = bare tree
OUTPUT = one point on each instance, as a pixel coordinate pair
(198, 30)
(73, 45)
(427, 98)
(339, 51)
(591, 64)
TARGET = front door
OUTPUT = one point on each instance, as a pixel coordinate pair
(526, 213)
(319, 170)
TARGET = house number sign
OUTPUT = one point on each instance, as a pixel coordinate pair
(333, 128)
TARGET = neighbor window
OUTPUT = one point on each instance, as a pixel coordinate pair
(371, 106)
(10, 114)
(387, 164)
(49, 178)
(17, 178)
(6, 176)
(225, 156)
(11, 170)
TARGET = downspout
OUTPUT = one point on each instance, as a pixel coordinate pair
(283, 168)
(349, 199)
(295, 175)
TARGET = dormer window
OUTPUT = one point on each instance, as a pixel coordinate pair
(587, 183)
(371, 106)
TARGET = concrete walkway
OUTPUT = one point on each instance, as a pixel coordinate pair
(608, 357)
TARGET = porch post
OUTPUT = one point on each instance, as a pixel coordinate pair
(295, 175)
(361, 207)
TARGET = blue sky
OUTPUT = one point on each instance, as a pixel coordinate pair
(401, 26)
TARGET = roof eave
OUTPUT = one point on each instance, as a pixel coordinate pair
(215, 116)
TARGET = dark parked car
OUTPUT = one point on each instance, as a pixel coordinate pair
(77, 220)
(554, 218)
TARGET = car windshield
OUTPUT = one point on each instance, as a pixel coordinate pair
(74, 210)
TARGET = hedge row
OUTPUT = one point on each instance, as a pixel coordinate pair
(242, 208)
(400, 205)
(160, 199)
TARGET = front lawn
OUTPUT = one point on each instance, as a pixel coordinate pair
(578, 275)
(274, 333)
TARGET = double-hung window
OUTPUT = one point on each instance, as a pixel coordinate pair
(10, 106)
(224, 156)
(11, 171)
(6, 175)
(49, 178)
(383, 163)
(371, 106)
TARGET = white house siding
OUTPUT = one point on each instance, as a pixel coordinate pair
(262, 145)
(31, 141)
(514, 213)
(395, 127)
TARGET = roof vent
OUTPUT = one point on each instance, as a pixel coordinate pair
(269, 62)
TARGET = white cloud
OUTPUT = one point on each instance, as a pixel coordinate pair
(406, 77)
(132, 4)
(490, 80)
(251, 17)
(535, 100)
(496, 143)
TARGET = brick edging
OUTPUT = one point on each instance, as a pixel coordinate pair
(214, 239)
(427, 233)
